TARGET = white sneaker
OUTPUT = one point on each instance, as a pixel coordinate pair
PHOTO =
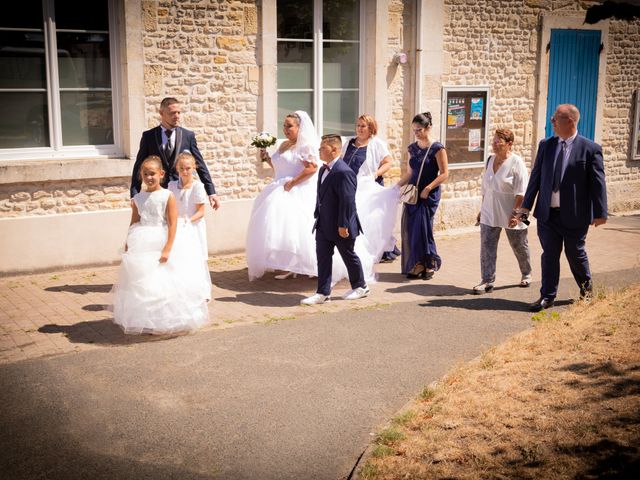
(483, 288)
(315, 299)
(356, 293)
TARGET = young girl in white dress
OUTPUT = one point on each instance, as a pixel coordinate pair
(156, 291)
(191, 198)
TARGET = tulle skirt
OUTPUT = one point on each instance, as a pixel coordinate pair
(377, 209)
(279, 235)
(155, 298)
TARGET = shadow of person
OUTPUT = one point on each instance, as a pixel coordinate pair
(238, 281)
(81, 289)
(424, 288)
(265, 299)
(100, 332)
(485, 302)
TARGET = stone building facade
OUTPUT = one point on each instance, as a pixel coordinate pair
(219, 59)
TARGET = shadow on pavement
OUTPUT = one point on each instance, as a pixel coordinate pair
(81, 289)
(100, 332)
(266, 299)
(238, 281)
(424, 288)
(485, 302)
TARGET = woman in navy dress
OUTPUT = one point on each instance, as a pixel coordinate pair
(420, 257)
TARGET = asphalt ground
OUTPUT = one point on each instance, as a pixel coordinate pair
(282, 392)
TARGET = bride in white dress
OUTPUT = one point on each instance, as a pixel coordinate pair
(279, 234)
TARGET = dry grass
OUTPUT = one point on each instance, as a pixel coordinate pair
(561, 400)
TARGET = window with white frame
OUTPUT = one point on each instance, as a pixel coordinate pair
(56, 69)
(319, 55)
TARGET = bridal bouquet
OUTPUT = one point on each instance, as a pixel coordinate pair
(263, 140)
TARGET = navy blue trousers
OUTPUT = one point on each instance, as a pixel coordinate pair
(553, 236)
(324, 252)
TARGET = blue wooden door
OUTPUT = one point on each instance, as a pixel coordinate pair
(573, 75)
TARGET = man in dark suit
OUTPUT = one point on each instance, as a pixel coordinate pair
(337, 223)
(167, 140)
(568, 181)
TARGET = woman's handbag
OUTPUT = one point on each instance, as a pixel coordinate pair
(409, 192)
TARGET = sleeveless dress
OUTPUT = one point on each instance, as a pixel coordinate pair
(152, 297)
(279, 233)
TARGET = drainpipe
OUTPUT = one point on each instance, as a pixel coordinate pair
(417, 101)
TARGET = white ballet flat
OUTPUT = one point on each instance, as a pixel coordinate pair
(284, 276)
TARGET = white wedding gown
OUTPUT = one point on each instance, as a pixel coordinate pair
(153, 297)
(279, 234)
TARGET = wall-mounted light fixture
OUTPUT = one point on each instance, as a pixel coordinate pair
(400, 58)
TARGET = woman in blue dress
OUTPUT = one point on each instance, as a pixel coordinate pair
(420, 257)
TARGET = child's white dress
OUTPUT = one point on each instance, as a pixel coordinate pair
(154, 297)
(188, 199)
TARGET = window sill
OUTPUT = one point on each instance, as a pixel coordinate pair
(64, 169)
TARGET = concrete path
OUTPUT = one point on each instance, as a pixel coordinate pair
(273, 391)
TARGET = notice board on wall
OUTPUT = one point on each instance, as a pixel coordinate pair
(465, 112)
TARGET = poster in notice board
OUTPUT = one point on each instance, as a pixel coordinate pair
(466, 118)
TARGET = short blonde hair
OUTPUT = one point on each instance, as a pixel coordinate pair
(187, 156)
(371, 123)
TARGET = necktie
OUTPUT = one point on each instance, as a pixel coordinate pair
(169, 143)
(557, 170)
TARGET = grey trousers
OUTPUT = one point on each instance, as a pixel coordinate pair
(489, 237)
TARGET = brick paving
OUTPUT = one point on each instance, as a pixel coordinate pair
(63, 312)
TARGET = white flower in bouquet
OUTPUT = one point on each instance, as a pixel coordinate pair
(263, 140)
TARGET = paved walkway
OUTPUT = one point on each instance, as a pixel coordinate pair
(237, 400)
(63, 312)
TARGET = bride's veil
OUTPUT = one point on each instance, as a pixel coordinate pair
(307, 136)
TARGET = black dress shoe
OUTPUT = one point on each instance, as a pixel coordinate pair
(541, 304)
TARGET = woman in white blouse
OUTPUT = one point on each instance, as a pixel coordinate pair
(503, 186)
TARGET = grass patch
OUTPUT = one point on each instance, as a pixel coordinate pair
(273, 320)
(382, 451)
(389, 436)
(560, 400)
(404, 418)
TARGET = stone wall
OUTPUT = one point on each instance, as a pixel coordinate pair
(43, 198)
(496, 43)
(204, 54)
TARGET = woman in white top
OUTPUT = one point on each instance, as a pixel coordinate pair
(503, 186)
(368, 156)
(279, 234)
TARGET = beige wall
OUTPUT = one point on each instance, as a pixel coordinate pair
(218, 59)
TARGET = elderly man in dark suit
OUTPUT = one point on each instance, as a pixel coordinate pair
(568, 181)
(167, 140)
(337, 224)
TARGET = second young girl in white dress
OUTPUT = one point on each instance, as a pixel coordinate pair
(191, 198)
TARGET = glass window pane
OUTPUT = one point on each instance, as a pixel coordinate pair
(28, 124)
(291, 101)
(340, 65)
(82, 15)
(87, 118)
(295, 19)
(83, 60)
(295, 67)
(340, 112)
(22, 14)
(22, 60)
(341, 19)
